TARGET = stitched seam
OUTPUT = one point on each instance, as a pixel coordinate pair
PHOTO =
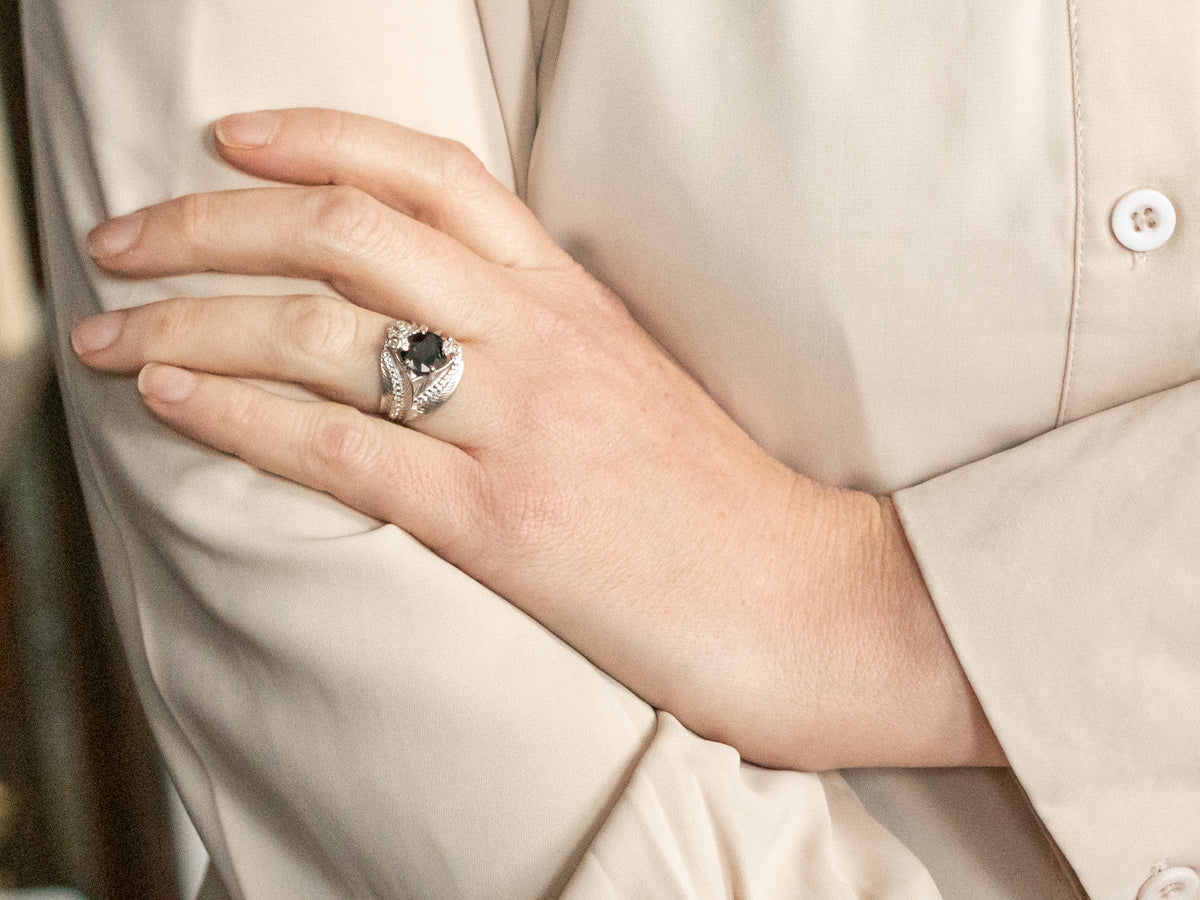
(1077, 269)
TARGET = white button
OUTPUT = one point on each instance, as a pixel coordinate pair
(1175, 883)
(1143, 220)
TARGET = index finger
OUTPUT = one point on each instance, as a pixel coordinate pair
(438, 181)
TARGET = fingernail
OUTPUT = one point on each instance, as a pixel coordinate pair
(246, 130)
(166, 384)
(115, 236)
(97, 332)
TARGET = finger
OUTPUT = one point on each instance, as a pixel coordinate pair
(328, 345)
(425, 486)
(375, 256)
(435, 180)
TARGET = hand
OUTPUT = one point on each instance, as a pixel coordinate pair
(578, 470)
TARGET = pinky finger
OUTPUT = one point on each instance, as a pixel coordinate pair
(391, 473)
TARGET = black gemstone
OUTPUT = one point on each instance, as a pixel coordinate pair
(424, 353)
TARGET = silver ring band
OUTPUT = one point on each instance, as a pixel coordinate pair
(419, 368)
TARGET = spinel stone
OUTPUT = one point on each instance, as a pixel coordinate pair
(424, 353)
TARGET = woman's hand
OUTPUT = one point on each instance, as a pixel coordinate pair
(577, 470)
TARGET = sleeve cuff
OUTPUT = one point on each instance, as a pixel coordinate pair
(1067, 574)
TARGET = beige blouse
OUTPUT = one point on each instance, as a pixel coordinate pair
(888, 238)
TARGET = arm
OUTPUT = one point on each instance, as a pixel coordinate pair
(574, 446)
(344, 713)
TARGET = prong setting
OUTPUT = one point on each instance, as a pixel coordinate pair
(420, 369)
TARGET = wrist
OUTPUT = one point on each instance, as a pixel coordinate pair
(874, 670)
(938, 720)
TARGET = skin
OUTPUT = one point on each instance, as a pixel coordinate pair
(578, 470)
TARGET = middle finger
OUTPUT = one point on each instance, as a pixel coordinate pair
(373, 255)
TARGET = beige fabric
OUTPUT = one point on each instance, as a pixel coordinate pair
(877, 233)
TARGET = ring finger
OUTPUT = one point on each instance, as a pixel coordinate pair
(325, 344)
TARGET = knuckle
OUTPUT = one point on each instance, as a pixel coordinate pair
(341, 440)
(169, 326)
(331, 127)
(196, 215)
(349, 222)
(461, 172)
(454, 175)
(242, 408)
(340, 140)
(317, 327)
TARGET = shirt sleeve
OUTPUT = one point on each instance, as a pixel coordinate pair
(1067, 573)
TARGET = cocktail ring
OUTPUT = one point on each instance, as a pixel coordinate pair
(420, 370)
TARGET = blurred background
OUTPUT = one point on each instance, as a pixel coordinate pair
(86, 812)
